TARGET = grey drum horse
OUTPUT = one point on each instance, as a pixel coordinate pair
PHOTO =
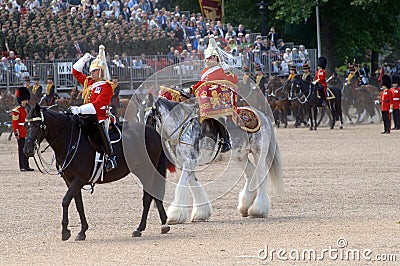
(190, 144)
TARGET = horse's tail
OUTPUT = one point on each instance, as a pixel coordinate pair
(275, 170)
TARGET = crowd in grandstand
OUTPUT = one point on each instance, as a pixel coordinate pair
(44, 31)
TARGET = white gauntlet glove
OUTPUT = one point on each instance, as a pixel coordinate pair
(86, 57)
(86, 109)
(74, 110)
(187, 91)
(78, 66)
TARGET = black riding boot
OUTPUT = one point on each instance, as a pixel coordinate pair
(111, 163)
(224, 137)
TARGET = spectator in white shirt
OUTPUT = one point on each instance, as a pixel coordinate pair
(117, 61)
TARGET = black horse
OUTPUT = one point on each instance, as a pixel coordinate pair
(75, 155)
(307, 93)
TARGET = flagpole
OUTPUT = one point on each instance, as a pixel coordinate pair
(318, 30)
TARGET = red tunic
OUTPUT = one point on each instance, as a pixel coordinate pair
(101, 93)
(18, 121)
(219, 98)
(396, 97)
(321, 75)
(386, 99)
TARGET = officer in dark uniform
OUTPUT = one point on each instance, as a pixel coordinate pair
(292, 73)
(37, 88)
(18, 120)
(261, 80)
(306, 73)
(27, 83)
(115, 98)
(50, 91)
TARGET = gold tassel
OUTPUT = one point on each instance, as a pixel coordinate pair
(86, 91)
(259, 77)
(245, 78)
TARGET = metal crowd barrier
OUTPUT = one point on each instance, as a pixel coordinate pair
(131, 76)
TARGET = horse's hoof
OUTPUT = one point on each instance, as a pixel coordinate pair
(137, 233)
(311, 128)
(80, 237)
(165, 228)
(66, 235)
(331, 127)
(341, 127)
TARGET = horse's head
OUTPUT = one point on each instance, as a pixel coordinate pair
(143, 106)
(35, 129)
(301, 90)
(273, 84)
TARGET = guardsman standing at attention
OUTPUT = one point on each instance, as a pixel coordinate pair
(386, 101)
(18, 120)
(396, 101)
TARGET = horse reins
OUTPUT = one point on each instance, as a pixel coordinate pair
(71, 146)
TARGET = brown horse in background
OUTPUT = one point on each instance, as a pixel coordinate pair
(275, 98)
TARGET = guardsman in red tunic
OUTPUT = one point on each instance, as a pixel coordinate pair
(214, 71)
(396, 101)
(97, 93)
(18, 120)
(386, 100)
(320, 77)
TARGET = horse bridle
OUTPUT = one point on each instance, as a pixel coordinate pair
(71, 148)
(304, 98)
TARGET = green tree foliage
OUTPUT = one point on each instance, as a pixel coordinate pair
(350, 29)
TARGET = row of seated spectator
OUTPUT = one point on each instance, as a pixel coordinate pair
(33, 28)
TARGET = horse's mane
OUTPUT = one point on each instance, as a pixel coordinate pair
(167, 103)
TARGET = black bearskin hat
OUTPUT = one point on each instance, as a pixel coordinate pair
(396, 79)
(322, 61)
(386, 81)
(21, 94)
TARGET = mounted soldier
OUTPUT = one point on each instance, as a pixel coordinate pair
(306, 73)
(216, 91)
(320, 77)
(352, 79)
(97, 93)
(292, 73)
(37, 88)
(261, 80)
